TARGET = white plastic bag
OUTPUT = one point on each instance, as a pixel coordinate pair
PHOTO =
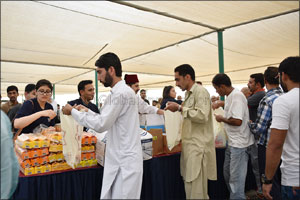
(72, 132)
(173, 124)
(219, 130)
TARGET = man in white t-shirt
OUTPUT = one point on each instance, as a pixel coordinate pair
(284, 136)
(239, 136)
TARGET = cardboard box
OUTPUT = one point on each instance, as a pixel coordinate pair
(157, 141)
(175, 149)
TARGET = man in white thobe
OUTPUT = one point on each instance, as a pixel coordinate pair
(123, 167)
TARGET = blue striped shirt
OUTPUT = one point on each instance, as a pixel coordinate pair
(261, 127)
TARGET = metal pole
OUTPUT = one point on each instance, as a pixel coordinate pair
(221, 55)
(53, 92)
(96, 85)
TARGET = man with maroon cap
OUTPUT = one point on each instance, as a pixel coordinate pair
(144, 108)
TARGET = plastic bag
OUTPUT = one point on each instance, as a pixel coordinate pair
(219, 130)
(72, 132)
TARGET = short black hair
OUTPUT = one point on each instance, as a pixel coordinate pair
(110, 60)
(12, 88)
(258, 78)
(166, 91)
(291, 67)
(199, 82)
(43, 82)
(271, 75)
(29, 87)
(185, 69)
(221, 79)
(142, 90)
(82, 84)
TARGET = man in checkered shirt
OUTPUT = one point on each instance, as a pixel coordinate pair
(261, 126)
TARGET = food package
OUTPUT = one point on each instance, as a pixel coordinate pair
(43, 152)
(47, 168)
(54, 137)
(56, 166)
(24, 163)
(81, 164)
(44, 143)
(88, 148)
(24, 141)
(39, 169)
(43, 160)
(34, 153)
(84, 156)
(31, 140)
(59, 157)
(65, 166)
(35, 161)
(48, 130)
(88, 138)
(23, 153)
(28, 171)
(92, 156)
(52, 157)
(55, 147)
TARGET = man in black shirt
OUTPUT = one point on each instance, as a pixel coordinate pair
(256, 86)
(86, 92)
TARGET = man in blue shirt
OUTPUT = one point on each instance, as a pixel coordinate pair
(86, 92)
(261, 126)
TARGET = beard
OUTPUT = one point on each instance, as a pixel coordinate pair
(108, 80)
(283, 85)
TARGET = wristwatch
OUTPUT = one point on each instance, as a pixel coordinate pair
(264, 180)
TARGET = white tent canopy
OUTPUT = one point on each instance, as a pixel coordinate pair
(61, 40)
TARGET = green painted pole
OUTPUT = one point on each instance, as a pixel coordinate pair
(53, 92)
(96, 85)
(221, 55)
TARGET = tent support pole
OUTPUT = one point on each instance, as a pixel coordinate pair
(96, 85)
(53, 92)
(221, 54)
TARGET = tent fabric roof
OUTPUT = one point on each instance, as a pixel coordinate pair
(61, 40)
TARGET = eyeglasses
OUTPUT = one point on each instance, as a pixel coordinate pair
(44, 92)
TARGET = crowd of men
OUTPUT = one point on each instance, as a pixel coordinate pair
(261, 125)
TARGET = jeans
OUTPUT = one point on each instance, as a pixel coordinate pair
(252, 151)
(235, 171)
(276, 186)
(290, 193)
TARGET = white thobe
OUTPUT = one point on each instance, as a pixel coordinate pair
(145, 108)
(123, 167)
